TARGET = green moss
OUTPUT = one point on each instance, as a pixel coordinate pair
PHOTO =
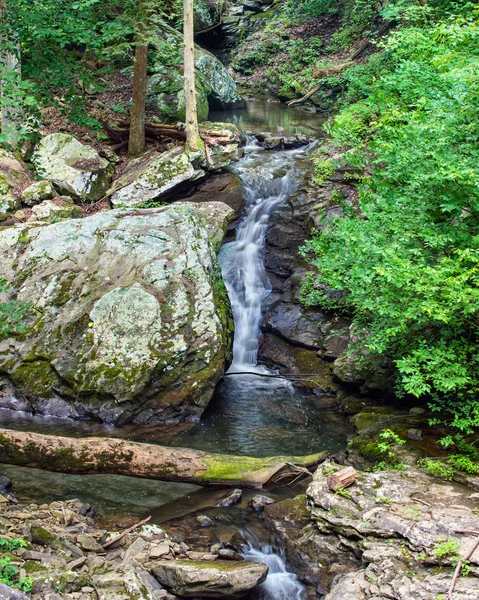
(35, 378)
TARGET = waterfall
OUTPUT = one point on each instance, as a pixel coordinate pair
(279, 584)
(268, 178)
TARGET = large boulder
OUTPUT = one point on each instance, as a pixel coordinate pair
(129, 318)
(12, 173)
(74, 169)
(207, 14)
(151, 177)
(221, 579)
(215, 88)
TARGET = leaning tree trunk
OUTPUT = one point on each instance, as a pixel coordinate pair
(10, 75)
(136, 141)
(122, 457)
(193, 140)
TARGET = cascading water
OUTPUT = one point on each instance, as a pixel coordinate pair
(279, 584)
(268, 178)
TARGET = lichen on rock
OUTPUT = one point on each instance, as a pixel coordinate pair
(124, 318)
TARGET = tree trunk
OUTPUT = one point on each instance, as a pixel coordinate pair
(10, 75)
(193, 140)
(150, 461)
(136, 142)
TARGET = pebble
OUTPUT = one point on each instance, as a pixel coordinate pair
(232, 498)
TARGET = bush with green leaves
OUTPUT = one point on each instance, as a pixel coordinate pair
(408, 264)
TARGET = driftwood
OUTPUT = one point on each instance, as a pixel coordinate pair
(459, 567)
(161, 131)
(121, 535)
(150, 461)
(342, 479)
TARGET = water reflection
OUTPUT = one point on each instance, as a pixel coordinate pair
(260, 115)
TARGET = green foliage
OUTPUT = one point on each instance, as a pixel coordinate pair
(436, 469)
(12, 314)
(463, 463)
(9, 576)
(447, 548)
(323, 169)
(408, 266)
(14, 544)
(344, 493)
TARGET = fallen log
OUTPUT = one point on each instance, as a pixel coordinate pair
(149, 461)
(342, 479)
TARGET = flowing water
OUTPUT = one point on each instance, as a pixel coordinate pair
(250, 414)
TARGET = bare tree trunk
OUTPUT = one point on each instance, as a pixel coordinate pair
(10, 75)
(136, 142)
(193, 140)
(122, 457)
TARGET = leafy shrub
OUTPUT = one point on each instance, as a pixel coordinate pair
(408, 266)
(12, 314)
(436, 469)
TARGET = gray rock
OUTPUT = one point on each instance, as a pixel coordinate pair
(204, 521)
(416, 411)
(87, 542)
(221, 579)
(259, 501)
(273, 142)
(232, 498)
(37, 192)
(55, 210)
(8, 593)
(229, 554)
(74, 169)
(144, 318)
(215, 88)
(151, 177)
(415, 434)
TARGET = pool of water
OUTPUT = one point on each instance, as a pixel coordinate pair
(275, 117)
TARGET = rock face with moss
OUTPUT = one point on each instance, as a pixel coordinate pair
(73, 168)
(151, 177)
(129, 318)
(215, 88)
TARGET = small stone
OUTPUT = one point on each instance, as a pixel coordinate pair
(5, 482)
(228, 554)
(44, 557)
(37, 192)
(416, 411)
(159, 551)
(414, 434)
(259, 501)
(76, 564)
(232, 498)
(215, 548)
(204, 521)
(87, 542)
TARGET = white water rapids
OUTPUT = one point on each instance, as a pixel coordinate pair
(280, 584)
(268, 178)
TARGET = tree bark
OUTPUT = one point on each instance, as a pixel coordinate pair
(342, 479)
(10, 75)
(150, 461)
(193, 140)
(136, 141)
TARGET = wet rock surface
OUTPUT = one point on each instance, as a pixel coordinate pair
(392, 535)
(143, 315)
(68, 557)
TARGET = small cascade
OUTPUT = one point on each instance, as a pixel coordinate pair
(280, 584)
(268, 178)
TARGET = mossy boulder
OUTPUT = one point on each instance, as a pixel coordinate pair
(129, 320)
(38, 192)
(215, 88)
(56, 209)
(73, 168)
(151, 177)
(207, 14)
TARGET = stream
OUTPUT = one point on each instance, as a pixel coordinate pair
(250, 414)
